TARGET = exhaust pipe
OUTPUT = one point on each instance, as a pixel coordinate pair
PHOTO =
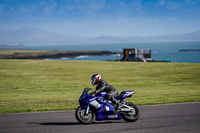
(125, 109)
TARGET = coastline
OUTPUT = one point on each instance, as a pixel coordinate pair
(189, 50)
(49, 54)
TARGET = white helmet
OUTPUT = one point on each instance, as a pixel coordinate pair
(95, 78)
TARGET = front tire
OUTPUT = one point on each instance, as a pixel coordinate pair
(133, 115)
(83, 118)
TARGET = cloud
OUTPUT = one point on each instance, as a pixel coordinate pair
(49, 6)
(162, 2)
(1, 8)
(138, 5)
(96, 5)
(24, 10)
(194, 2)
(173, 5)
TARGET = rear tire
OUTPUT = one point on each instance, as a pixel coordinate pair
(133, 115)
(83, 118)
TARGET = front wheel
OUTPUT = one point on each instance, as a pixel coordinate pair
(82, 117)
(133, 115)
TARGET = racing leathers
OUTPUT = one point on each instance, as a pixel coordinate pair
(112, 93)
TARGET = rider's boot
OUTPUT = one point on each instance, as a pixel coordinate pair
(118, 105)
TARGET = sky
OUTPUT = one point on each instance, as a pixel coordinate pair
(94, 18)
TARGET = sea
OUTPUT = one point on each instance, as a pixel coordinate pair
(160, 50)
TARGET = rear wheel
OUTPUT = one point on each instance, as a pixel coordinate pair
(83, 118)
(133, 115)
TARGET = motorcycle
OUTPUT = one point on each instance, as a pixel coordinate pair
(95, 108)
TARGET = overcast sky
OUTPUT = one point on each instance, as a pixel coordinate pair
(102, 17)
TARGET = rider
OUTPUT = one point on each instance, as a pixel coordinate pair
(103, 86)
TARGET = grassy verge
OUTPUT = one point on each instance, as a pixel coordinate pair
(46, 85)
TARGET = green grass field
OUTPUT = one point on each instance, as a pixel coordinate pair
(46, 85)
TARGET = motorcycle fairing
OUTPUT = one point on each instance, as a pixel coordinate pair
(104, 114)
(125, 94)
(102, 94)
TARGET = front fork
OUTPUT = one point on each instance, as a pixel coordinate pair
(87, 110)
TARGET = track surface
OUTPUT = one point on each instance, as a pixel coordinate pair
(177, 118)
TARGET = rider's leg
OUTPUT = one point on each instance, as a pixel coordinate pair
(112, 97)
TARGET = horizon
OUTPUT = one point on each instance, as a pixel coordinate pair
(94, 18)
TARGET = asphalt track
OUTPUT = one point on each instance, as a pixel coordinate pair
(176, 118)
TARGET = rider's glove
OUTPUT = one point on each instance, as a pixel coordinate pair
(93, 93)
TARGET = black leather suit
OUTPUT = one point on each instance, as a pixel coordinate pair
(105, 87)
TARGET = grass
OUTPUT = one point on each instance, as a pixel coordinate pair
(47, 85)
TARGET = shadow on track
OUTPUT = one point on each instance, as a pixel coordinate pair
(71, 123)
(55, 123)
(59, 123)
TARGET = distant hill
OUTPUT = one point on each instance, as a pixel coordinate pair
(194, 36)
(33, 36)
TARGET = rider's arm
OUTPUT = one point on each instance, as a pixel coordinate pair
(101, 88)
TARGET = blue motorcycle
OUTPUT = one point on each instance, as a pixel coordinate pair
(94, 108)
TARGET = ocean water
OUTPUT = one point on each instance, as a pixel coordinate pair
(160, 50)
